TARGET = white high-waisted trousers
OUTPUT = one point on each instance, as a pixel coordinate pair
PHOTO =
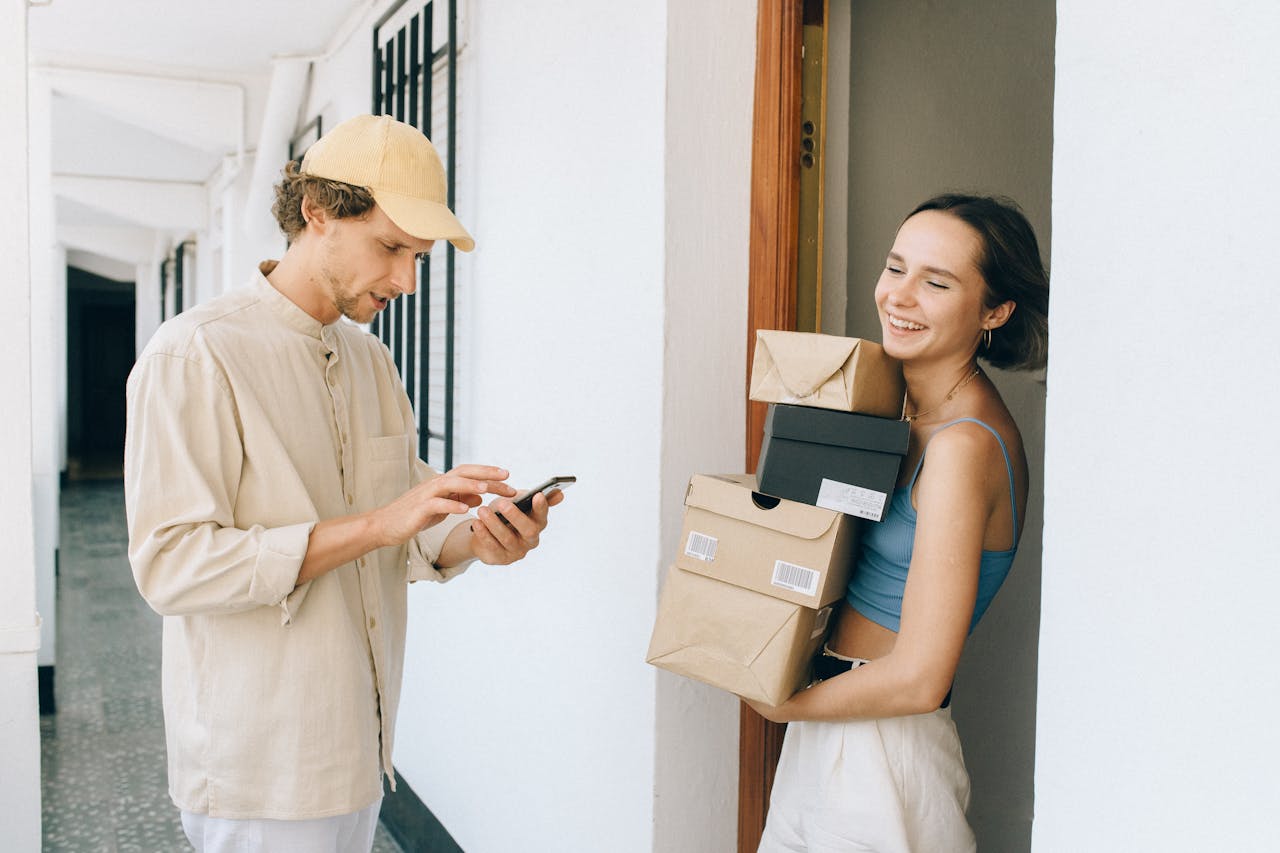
(348, 833)
(896, 785)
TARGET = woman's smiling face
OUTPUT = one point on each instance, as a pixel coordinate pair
(931, 296)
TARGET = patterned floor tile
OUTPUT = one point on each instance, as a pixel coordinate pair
(103, 777)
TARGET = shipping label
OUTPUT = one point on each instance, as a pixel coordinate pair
(852, 500)
(795, 578)
(701, 546)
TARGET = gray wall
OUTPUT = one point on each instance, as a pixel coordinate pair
(949, 95)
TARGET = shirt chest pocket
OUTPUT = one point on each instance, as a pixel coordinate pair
(389, 466)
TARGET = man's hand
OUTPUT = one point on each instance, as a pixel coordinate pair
(427, 503)
(500, 543)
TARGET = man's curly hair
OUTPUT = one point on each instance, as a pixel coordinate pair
(334, 197)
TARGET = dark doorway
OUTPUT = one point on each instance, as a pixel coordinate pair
(100, 353)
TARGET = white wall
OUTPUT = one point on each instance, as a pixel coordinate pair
(589, 329)
(1158, 631)
(19, 632)
(536, 673)
(709, 91)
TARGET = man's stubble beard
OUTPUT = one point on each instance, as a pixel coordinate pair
(347, 304)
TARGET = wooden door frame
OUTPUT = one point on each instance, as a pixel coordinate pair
(774, 244)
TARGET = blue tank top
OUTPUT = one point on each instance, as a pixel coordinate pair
(884, 552)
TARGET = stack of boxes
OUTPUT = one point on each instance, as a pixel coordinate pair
(763, 564)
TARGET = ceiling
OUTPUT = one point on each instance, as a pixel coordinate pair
(166, 144)
(235, 36)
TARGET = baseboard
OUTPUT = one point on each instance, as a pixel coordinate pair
(411, 823)
(44, 675)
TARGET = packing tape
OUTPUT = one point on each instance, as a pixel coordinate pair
(21, 640)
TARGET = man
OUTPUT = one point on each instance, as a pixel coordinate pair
(277, 508)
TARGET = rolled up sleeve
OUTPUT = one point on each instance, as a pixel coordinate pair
(183, 458)
(424, 551)
(425, 548)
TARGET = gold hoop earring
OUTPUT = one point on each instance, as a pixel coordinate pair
(986, 338)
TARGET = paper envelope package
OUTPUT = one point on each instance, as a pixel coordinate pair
(749, 600)
(827, 372)
(743, 641)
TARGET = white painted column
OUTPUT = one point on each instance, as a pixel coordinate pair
(710, 48)
(146, 301)
(45, 325)
(289, 76)
(58, 289)
(19, 622)
(206, 284)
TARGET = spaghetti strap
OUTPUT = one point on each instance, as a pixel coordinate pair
(1008, 464)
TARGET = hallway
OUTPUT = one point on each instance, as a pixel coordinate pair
(102, 754)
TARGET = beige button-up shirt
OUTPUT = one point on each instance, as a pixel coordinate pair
(249, 421)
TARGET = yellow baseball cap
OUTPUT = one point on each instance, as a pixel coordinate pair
(400, 168)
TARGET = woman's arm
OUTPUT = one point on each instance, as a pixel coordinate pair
(955, 496)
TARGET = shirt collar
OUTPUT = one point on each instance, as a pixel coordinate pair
(284, 307)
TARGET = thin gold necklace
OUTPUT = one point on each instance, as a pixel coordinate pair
(954, 391)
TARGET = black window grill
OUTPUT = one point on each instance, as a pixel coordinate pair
(173, 274)
(164, 288)
(415, 81)
(180, 277)
(302, 140)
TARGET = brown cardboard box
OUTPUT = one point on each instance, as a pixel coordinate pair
(749, 600)
(826, 372)
(785, 549)
(743, 641)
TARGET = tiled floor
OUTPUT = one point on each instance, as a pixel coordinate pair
(103, 778)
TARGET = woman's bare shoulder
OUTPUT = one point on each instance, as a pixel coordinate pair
(968, 442)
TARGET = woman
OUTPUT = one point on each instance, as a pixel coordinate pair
(871, 760)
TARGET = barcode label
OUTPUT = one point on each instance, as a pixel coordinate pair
(795, 578)
(852, 500)
(820, 622)
(701, 547)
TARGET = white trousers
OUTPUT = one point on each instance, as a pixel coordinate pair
(896, 785)
(348, 833)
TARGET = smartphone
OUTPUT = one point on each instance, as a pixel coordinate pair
(524, 500)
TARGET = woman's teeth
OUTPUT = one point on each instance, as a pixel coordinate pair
(899, 323)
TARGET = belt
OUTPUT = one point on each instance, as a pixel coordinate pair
(825, 666)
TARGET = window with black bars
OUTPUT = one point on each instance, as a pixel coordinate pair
(415, 81)
(173, 275)
(303, 139)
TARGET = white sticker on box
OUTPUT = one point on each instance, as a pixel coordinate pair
(820, 622)
(795, 578)
(701, 546)
(852, 500)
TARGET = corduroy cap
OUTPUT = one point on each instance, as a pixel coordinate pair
(400, 168)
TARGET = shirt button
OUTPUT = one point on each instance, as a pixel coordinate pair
(350, 500)
(331, 380)
(373, 623)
